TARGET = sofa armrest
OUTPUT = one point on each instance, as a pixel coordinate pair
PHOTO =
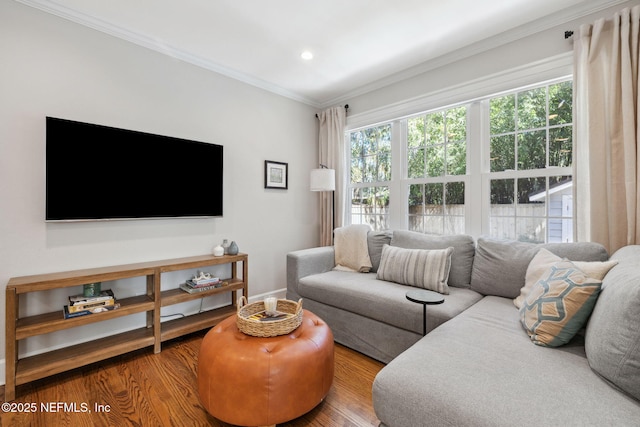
(306, 262)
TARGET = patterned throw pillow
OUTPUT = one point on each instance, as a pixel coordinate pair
(544, 259)
(423, 268)
(559, 304)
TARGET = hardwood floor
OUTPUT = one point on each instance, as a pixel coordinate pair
(146, 389)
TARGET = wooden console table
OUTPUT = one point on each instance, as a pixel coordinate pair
(21, 371)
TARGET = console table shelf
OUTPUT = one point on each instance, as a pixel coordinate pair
(23, 370)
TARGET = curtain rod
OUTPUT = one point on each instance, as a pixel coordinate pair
(346, 107)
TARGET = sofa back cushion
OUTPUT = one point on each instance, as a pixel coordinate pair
(500, 266)
(376, 241)
(612, 338)
(461, 258)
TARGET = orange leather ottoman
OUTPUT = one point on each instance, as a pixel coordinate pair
(253, 381)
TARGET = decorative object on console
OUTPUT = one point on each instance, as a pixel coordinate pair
(225, 246)
(218, 251)
(80, 305)
(233, 248)
(276, 175)
(91, 289)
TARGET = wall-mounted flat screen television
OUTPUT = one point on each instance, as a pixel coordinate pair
(96, 172)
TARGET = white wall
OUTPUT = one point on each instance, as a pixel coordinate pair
(52, 67)
(445, 80)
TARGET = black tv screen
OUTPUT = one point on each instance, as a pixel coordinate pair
(96, 172)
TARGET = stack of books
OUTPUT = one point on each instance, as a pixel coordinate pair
(79, 305)
(202, 284)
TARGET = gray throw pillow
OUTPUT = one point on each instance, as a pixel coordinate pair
(422, 268)
(612, 338)
(461, 259)
(375, 241)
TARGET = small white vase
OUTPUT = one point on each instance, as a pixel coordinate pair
(218, 251)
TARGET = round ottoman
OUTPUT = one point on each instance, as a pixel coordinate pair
(252, 381)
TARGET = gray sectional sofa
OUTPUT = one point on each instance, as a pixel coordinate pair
(477, 366)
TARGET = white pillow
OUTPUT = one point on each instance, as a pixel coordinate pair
(423, 268)
(544, 260)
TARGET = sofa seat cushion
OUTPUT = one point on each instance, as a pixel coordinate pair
(363, 294)
(480, 368)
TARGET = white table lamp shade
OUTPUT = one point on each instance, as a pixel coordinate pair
(323, 179)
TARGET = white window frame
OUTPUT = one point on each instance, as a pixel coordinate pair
(476, 190)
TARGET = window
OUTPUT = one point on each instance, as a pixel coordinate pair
(370, 176)
(498, 166)
(437, 150)
(530, 159)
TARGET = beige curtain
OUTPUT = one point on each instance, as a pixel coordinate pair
(332, 154)
(606, 116)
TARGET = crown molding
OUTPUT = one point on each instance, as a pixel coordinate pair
(565, 16)
(151, 43)
(542, 24)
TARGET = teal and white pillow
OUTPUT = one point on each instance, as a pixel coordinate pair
(559, 304)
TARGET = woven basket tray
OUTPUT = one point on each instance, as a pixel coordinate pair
(247, 322)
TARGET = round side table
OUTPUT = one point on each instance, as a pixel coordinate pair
(424, 297)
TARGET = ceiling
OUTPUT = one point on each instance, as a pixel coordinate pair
(358, 45)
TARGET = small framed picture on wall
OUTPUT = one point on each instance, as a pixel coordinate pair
(276, 175)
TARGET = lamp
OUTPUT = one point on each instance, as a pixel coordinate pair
(323, 179)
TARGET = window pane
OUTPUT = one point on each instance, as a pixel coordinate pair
(435, 128)
(560, 209)
(371, 154)
(532, 109)
(435, 160)
(560, 99)
(531, 230)
(416, 197)
(456, 124)
(502, 114)
(433, 194)
(561, 146)
(454, 225)
(503, 227)
(503, 153)
(416, 163)
(415, 132)
(434, 224)
(503, 194)
(454, 194)
(532, 148)
(457, 158)
(384, 166)
(531, 191)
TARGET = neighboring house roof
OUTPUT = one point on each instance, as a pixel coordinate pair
(559, 187)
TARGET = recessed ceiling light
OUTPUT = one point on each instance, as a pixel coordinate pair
(306, 55)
